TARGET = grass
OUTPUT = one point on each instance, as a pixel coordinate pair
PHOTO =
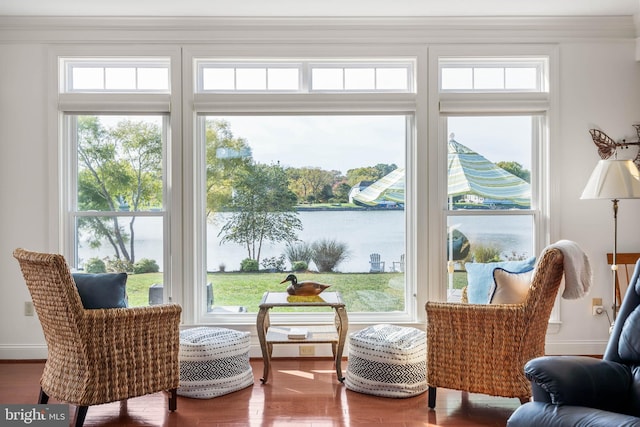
(361, 292)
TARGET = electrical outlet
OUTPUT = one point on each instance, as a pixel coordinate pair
(28, 308)
(307, 350)
(597, 310)
(596, 301)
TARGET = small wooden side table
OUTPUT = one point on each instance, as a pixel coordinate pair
(335, 334)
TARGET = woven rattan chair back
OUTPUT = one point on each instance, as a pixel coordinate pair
(55, 299)
(482, 348)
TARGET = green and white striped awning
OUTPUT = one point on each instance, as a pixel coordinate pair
(389, 188)
(472, 173)
(469, 173)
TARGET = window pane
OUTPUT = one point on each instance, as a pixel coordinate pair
(391, 79)
(119, 163)
(299, 175)
(489, 172)
(457, 78)
(120, 78)
(85, 78)
(106, 244)
(153, 78)
(521, 78)
(359, 79)
(488, 78)
(218, 79)
(119, 172)
(480, 239)
(327, 79)
(283, 78)
(251, 78)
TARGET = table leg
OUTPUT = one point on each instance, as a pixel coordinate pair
(342, 324)
(262, 325)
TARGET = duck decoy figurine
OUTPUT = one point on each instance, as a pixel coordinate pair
(306, 288)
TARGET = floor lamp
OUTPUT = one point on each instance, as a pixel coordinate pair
(613, 179)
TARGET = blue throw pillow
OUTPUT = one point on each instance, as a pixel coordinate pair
(104, 290)
(480, 277)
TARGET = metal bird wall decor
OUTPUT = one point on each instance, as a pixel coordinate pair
(607, 146)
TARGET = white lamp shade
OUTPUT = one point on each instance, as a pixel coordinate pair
(613, 179)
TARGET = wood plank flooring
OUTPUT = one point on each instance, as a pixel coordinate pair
(300, 393)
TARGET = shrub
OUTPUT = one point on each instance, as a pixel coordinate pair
(222, 267)
(146, 265)
(486, 253)
(299, 251)
(274, 263)
(248, 265)
(118, 265)
(327, 254)
(95, 265)
(299, 266)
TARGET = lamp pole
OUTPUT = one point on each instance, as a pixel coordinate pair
(614, 263)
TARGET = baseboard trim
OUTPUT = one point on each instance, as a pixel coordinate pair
(591, 347)
(23, 352)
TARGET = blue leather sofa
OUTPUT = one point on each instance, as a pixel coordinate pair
(584, 391)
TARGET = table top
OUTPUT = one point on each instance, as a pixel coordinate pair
(283, 299)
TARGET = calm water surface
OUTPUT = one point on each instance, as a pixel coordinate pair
(364, 232)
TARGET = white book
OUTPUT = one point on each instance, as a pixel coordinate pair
(298, 333)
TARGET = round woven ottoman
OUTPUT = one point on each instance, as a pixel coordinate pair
(213, 362)
(387, 360)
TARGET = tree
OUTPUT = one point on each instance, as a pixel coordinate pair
(118, 168)
(263, 209)
(516, 169)
(226, 157)
(369, 173)
(310, 182)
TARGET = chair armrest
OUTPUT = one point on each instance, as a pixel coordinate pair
(581, 381)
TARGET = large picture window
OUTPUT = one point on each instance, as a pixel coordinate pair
(305, 194)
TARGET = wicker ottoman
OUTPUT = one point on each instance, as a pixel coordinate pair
(213, 362)
(388, 361)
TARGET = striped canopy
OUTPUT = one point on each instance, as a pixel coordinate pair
(471, 173)
(389, 188)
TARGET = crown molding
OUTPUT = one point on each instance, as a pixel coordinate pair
(297, 30)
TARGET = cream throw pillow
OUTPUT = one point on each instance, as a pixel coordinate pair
(510, 288)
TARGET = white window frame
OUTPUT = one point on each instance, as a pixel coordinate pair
(343, 102)
(118, 103)
(543, 103)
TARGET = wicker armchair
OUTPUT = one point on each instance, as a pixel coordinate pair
(483, 348)
(104, 355)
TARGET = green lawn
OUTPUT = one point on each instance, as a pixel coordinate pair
(362, 292)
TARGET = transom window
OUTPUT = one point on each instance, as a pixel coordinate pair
(305, 76)
(493, 74)
(115, 75)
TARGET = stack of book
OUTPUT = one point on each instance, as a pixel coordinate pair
(298, 333)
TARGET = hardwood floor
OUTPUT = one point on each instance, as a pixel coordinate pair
(300, 393)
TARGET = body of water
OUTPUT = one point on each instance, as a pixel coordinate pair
(364, 232)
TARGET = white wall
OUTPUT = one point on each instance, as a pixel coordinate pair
(599, 85)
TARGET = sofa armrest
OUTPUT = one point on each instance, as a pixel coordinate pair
(580, 381)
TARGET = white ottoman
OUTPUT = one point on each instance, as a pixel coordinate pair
(213, 362)
(387, 360)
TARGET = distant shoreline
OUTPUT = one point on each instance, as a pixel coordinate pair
(347, 208)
